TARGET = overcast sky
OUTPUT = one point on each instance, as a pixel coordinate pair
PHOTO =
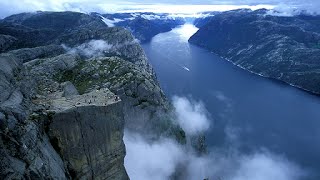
(8, 7)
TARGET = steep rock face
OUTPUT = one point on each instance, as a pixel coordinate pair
(89, 139)
(86, 129)
(25, 150)
(36, 106)
(60, 117)
(284, 48)
(26, 115)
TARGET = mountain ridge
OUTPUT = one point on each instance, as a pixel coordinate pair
(283, 48)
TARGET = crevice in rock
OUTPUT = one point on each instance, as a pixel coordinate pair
(86, 151)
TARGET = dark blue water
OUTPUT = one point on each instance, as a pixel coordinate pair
(247, 110)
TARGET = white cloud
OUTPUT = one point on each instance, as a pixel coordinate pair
(265, 167)
(312, 8)
(159, 160)
(259, 165)
(8, 7)
(189, 8)
(93, 48)
(191, 116)
(155, 160)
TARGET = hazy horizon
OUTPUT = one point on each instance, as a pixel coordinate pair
(160, 6)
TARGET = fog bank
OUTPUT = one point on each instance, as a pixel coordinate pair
(164, 158)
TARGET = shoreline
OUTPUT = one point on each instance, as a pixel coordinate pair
(261, 75)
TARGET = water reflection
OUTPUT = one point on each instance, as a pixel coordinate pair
(185, 31)
(179, 42)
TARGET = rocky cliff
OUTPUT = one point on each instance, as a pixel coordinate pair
(284, 48)
(69, 86)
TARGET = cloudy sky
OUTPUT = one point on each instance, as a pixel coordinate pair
(8, 7)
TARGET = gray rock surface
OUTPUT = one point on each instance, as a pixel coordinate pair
(26, 152)
(62, 115)
(89, 139)
(69, 89)
(145, 106)
(283, 48)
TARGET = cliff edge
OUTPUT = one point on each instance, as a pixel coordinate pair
(69, 86)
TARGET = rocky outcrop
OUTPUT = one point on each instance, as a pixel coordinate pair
(145, 107)
(86, 130)
(62, 114)
(89, 135)
(283, 48)
(26, 151)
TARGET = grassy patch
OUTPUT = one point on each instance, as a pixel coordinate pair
(82, 82)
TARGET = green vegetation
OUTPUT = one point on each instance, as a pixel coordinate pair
(180, 135)
(165, 125)
(82, 81)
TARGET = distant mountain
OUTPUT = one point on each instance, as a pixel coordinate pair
(44, 28)
(284, 48)
(203, 20)
(144, 26)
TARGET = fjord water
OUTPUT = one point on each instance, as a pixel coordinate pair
(247, 111)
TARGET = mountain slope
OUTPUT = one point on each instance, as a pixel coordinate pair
(284, 48)
(69, 86)
(144, 26)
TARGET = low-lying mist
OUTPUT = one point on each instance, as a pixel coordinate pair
(98, 48)
(166, 159)
(159, 160)
(192, 116)
(93, 48)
